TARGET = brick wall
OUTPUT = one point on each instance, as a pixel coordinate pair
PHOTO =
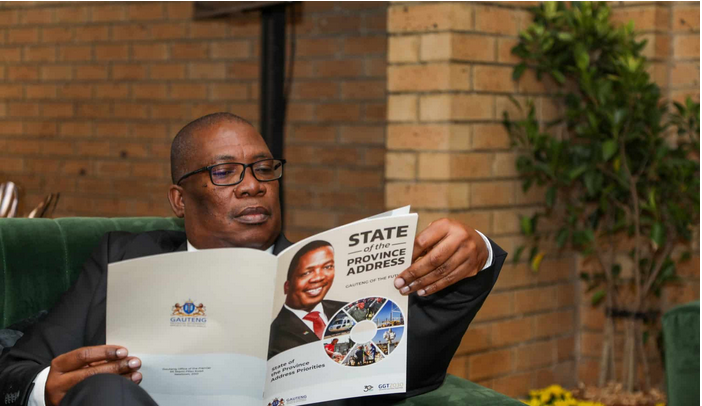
(91, 95)
(449, 81)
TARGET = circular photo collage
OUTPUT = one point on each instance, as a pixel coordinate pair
(364, 332)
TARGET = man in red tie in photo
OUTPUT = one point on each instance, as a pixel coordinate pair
(305, 314)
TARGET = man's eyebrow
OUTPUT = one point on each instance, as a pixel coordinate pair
(230, 158)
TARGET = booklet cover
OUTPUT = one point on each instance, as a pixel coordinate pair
(320, 321)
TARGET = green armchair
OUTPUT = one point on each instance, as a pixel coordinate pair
(40, 258)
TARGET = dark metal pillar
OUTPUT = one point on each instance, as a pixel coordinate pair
(273, 81)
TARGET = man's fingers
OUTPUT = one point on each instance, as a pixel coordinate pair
(442, 271)
(81, 357)
(434, 259)
(430, 236)
(119, 367)
(456, 275)
(135, 377)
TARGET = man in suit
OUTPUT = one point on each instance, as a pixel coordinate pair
(64, 359)
(305, 314)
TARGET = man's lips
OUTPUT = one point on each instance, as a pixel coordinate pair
(314, 292)
(253, 215)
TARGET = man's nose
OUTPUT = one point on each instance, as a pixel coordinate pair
(318, 275)
(250, 186)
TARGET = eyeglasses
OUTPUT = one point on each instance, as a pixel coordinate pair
(232, 173)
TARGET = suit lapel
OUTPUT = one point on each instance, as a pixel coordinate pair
(280, 244)
(292, 324)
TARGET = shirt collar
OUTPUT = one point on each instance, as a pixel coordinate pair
(192, 249)
(302, 313)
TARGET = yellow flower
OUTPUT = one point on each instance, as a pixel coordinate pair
(660, 404)
(545, 396)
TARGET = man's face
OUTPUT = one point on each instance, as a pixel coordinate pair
(311, 280)
(243, 215)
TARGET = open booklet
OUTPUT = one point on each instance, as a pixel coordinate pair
(320, 321)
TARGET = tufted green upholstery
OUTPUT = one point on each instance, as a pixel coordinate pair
(40, 258)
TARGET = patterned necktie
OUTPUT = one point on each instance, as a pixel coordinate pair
(317, 322)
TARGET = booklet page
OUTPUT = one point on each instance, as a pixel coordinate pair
(339, 326)
(195, 319)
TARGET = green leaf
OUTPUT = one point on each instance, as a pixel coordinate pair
(609, 148)
(597, 297)
(575, 173)
(565, 36)
(551, 196)
(658, 234)
(582, 59)
(562, 237)
(558, 76)
(518, 71)
(526, 225)
(517, 254)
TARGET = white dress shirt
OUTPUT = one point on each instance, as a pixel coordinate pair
(36, 398)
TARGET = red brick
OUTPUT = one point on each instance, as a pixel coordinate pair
(230, 49)
(489, 364)
(168, 31)
(315, 90)
(22, 73)
(243, 70)
(75, 53)
(229, 91)
(132, 32)
(146, 12)
(338, 112)
(94, 110)
(515, 386)
(71, 13)
(511, 332)
(207, 71)
(172, 111)
(40, 54)
(24, 147)
(128, 72)
(111, 91)
(167, 71)
(13, 54)
(497, 305)
(9, 91)
(131, 110)
(128, 150)
(365, 45)
(190, 50)
(22, 35)
(105, 13)
(9, 17)
(151, 131)
(493, 79)
(92, 33)
(368, 89)
(363, 135)
(150, 52)
(57, 110)
(534, 355)
(23, 109)
(40, 128)
(558, 323)
(75, 91)
(180, 10)
(40, 91)
(56, 148)
(91, 72)
(537, 299)
(686, 17)
(317, 47)
(57, 72)
(340, 68)
(150, 91)
(686, 46)
(76, 129)
(339, 23)
(209, 29)
(58, 34)
(188, 91)
(111, 52)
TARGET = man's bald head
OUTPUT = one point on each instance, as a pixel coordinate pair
(183, 143)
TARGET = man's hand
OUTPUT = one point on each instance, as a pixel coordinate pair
(444, 253)
(70, 368)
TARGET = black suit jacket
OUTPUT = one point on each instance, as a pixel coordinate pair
(288, 331)
(436, 323)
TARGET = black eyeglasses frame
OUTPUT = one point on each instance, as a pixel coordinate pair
(243, 173)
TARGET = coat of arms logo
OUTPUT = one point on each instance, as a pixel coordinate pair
(188, 309)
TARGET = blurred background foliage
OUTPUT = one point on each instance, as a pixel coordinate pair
(620, 164)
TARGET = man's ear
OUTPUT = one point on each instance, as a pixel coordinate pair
(175, 197)
(285, 288)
